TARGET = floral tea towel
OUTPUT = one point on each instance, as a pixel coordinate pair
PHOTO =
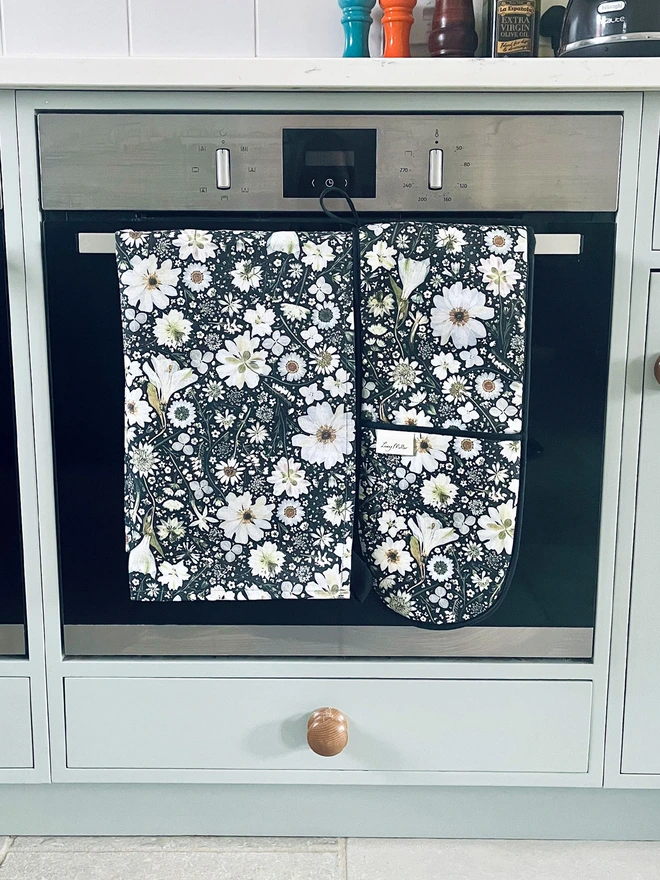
(444, 348)
(240, 413)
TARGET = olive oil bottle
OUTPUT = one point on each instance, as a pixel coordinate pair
(513, 28)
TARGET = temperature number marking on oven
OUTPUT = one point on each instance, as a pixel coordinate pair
(407, 185)
(404, 170)
(466, 164)
(422, 199)
(462, 185)
(458, 148)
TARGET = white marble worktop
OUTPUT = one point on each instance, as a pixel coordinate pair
(334, 74)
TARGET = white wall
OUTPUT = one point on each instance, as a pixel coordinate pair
(188, 28)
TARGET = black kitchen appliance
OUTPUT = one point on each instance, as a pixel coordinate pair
(602, 28)
(555, 173)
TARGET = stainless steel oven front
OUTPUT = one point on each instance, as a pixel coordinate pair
(558, 173)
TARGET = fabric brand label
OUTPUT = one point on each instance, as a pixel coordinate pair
(395, 442)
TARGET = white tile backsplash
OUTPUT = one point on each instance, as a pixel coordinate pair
(69, 28)
(197, 28)
(193, 29)
(306, 29)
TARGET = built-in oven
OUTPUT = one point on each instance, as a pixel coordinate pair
(12, 582)
(556, 173)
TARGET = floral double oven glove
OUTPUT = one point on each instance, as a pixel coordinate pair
(251, 452)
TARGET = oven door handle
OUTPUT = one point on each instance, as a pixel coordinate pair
(547, 244)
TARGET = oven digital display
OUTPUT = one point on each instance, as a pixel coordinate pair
(316, 158)
(333, 158)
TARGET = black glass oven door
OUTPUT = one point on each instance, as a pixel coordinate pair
(550, 608)
(12, 603)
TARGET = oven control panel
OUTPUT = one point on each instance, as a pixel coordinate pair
(263, 162)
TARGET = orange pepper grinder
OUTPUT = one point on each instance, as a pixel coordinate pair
(397, 21)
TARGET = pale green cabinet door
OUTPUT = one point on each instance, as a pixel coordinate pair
(641, 731)
(15, 724)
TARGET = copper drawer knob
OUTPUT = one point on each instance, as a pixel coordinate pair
(656, 370)
(327, 732)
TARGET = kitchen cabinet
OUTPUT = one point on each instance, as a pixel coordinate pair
(641, 731)
(449, 725)
(15, 724)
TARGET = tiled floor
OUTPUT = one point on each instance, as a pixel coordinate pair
(245, 858)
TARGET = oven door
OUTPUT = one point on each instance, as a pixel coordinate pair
(550, 608)
(12, 594)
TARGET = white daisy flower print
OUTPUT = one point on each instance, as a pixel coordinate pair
(391, 556)
(488, 386)
(260, 319)
(337, 510)
(284, 243)
(404, 416)
(456, 315)
(444, 364)
(328, 434)
(147, 284)
(241, 362)
(172, 330)
(467, 448)
(144, 459)
(292, 366)
(441, 568)
(229, 472)
(390, 523)
(338, 385)
(181, 413)
(138, 411)
(438, 492)
(195, 243)
(173, 575)
(133, 238)
(317, 256)
(290, 513)
(404, 374)
(246, 276)
(498, 276)
(196, 277)
(381, 256)
(429, 450)
(498, 241)
(288, 478)
(497, 528)
(266, 561)
(329, 584)
(230, 368)
(451, 239)
(244, 520)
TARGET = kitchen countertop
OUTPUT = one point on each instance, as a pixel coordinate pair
(334, 74)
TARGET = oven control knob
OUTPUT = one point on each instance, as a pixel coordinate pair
(656, 370)
(222, 169)
(327, 732)
(436, 162)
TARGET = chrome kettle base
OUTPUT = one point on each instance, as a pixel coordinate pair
(632, 45)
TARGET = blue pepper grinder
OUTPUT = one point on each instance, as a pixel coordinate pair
(356, 20)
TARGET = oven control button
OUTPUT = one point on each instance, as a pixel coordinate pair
(222, 169)
(436, 158)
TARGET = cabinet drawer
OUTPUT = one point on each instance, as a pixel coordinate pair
(450, 725)
(15, 723)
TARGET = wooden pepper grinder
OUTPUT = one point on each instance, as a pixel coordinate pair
(453, 34)
(356, 20)
(397, 21)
